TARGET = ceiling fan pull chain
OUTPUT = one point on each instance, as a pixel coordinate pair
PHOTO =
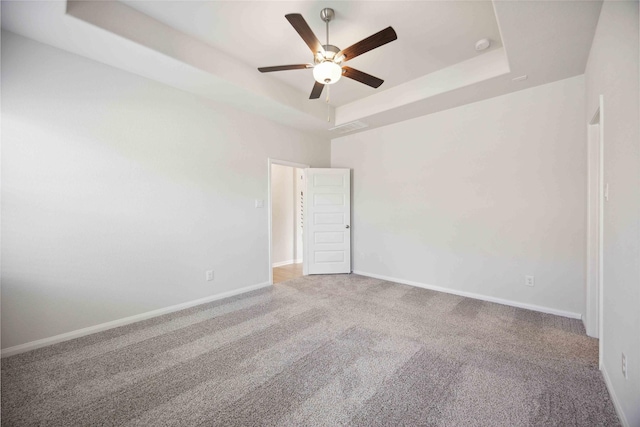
(328, 107)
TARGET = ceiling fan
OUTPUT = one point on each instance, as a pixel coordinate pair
(328, 59)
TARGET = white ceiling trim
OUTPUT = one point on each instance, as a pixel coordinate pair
(548, 40)
(48, 22)
(464, 74)
(132, 25)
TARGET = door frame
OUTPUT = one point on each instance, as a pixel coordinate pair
(595, 237)
(270, 162)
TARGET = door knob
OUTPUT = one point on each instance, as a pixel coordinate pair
(346, 226)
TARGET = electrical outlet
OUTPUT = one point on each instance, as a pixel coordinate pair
(624, 366)
(529, 281)
(209, 275)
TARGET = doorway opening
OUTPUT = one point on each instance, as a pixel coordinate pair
(596, 196)
(286, 220)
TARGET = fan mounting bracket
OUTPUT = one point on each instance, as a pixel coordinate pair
(327, 14)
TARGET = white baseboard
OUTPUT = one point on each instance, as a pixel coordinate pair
(614, 398)
(475, 296)
(288, 262)
(10, 351)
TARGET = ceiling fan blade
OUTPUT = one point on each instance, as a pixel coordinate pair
(361, 77)
(316, 91)
(378, 39)
(301, 26)
(284, 68)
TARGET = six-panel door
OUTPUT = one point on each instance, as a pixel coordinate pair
(328, 232)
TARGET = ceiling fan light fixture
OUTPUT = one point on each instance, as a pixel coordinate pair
(327, 72)
(328, 58)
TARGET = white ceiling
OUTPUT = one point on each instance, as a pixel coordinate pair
(212, 48)
(431, 35)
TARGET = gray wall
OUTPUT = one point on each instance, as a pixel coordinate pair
(474, 198)
(119, 192)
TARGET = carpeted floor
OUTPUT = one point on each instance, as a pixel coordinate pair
(319, 350)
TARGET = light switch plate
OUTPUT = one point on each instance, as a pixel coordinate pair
(259, 203)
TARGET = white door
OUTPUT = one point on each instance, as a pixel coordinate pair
(327, 221)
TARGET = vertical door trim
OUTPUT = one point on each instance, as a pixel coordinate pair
(270, 162)
(601, 239)
(595, 208)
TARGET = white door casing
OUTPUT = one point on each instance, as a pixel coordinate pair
(328, 221)
(596, 197)
(593, 229)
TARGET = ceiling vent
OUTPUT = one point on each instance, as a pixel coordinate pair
(349, 127)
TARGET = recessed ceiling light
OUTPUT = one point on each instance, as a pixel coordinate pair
(483, 44)
(521, 78)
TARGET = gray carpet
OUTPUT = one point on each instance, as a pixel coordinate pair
(319, 351)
